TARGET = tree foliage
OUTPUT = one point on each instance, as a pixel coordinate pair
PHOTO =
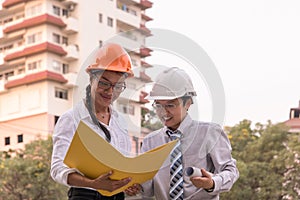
(268, 161)
(25, 174)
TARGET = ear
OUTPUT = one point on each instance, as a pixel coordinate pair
(188, 104)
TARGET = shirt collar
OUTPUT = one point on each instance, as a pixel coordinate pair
(184, 125)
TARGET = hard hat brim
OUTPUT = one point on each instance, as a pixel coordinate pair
(160, 97)
(91, 69)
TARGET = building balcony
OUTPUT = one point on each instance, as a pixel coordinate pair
(72, 25)
(144, 30)
(7, 11)
(1, 32)
(143, 94)
(34, 21)
(10, 3)
(146, 17)
(71, 77)
(145, 52)
(12, 23)
(72, 52)
(129, 41)
(2, 59)
(13, 37)
(145, 64)
(2, 86)
(145, 4)
(35, 49)
(36, 77)
(69, 2)
(15, 77)
(127, 18)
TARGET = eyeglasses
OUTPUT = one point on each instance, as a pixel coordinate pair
(119, 87)
(169, 106)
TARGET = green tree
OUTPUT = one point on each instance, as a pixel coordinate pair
(25, 174)
(240, 135)
(268, 161)
(150, 120)
(292, 160)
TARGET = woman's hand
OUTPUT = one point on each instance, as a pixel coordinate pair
(103, 182)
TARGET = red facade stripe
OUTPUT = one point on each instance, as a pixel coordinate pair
(42, 19)
(39, 48)
(9, 3)
(33, 78)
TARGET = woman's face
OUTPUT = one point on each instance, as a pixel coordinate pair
(106, 88)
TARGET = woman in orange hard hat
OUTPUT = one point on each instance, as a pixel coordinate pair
(111, 66)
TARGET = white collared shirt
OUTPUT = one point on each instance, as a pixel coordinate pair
(64, 132)
(204, 145)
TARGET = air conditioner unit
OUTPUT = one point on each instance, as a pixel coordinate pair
(71, 7)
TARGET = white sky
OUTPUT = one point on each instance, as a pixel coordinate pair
(255, 46)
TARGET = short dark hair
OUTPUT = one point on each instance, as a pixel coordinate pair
(186, 98)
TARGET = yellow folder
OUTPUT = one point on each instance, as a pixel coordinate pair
(92, 155)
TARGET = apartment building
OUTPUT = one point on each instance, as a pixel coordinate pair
(294, 120)
(44, 43)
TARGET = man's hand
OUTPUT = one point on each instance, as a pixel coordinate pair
(133, 190)
(205, 181)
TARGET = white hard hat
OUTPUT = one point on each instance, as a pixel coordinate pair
(171, 84)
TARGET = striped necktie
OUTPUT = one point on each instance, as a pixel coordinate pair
(176, 169)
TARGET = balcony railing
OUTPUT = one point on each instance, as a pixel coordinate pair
(72, 52)
(72, 25)
(2, 58)
(2, 85)
(71, 77)
(69, 2)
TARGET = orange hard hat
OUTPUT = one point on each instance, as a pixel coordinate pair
(112, 57)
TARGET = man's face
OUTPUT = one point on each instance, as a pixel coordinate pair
(171, 112)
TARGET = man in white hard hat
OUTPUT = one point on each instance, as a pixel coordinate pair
(201, 145)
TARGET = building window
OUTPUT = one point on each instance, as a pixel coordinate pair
(100, 17)
(65, 12)
(56, 10)
(34, 10)
(34, 38)
(134, 63)
(21, 70)
(7, 141)
(34, 65)
(64, 40)
(5, 48)
(56, 65)
(127, 109)
(7, 20)
(56, 38)
(9, 74)
(110, 22)
(20, 138)
(61, 93)
(65, 68)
